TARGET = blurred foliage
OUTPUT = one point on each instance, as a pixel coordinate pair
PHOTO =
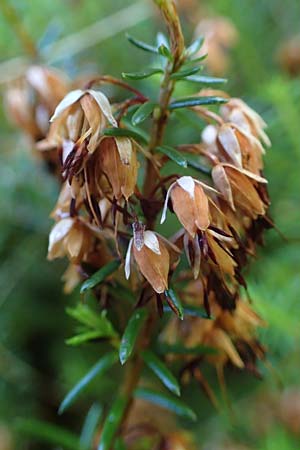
(36, 367)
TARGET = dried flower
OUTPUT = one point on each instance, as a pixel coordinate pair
(190, 204)
(151, 256)
(119, 163)
(80, 117)
(31, 100)
(70, 237)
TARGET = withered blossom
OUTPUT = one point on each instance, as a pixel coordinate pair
(70, 237)
(118, 161)
(190, 203)
(79, 118)
(31, 100)
(151, 254)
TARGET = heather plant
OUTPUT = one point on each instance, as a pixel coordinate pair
(168, 300)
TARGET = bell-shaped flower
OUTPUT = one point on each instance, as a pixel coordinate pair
(190, 204)
(239, 113)
(239, 188)
(151, 255)
(118, 161)
(80, 116)
(70, 237)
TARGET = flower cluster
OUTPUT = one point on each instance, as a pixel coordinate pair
(113, 195)
(221, 222)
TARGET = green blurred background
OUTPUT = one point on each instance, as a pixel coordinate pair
(36, 367)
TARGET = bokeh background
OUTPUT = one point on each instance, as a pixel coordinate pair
(36, 367)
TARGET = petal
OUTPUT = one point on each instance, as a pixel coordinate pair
(154, 267)
(222, 183)
(67, 101)
(67, 147)
(124, 146)
(59, 231)
(104, 106)
(188, 184)
(209, 134)
(128, 259)
(230, 144)
(184, 208)
(248, 173)
(93, 117)
(151, 241)
(201, 209)
(165, 208)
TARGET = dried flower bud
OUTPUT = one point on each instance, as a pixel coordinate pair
(190, 204)
(118, 161)
(151, 255)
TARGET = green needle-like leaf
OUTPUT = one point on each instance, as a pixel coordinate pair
(142, 45)
(104, 363)
(100, 275)
(131, 333)
(170, 403)
(134, 134)
(141, 75)
(87, 336)
(196, 101)
(194, 47)
(48, 433)
(112, 422)
(205, 79)
(143, 112)
(173, 154)
(174, 302)
(161, 371)
(89, 427)
(182, 74)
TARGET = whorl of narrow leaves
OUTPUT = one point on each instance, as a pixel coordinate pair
(131, 333)
(95, 325)
(104, 363)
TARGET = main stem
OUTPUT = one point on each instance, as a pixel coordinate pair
(160, 121)
(134, 368)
